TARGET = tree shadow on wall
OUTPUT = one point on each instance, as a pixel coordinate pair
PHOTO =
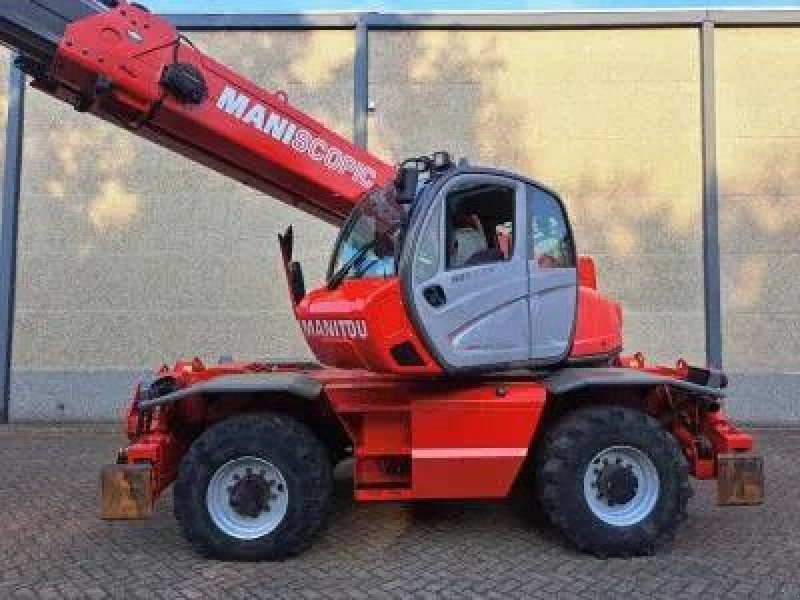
(455, 91)
(101, 204)
(760, 245)
(148, 247)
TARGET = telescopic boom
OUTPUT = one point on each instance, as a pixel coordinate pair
(132, 68)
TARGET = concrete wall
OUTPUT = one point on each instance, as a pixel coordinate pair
(609, 118)
(758, 100)
(130, 256)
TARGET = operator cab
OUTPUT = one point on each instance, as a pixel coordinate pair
(488, 271)
(463, 269)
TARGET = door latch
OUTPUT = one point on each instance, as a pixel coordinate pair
(434, 294)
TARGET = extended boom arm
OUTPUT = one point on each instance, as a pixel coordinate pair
(132, 68)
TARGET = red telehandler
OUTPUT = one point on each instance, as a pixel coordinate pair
(463, 348)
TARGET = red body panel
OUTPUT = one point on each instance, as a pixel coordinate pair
(356, 325)
(444, 439)
(473, 445)
(598, 329)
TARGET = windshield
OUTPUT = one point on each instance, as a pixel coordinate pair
(368, 241)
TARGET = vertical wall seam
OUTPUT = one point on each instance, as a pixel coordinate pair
(361, 82)
(8, 236)
(711, 252)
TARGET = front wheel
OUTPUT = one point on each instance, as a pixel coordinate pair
(613, 480)
(253, 487)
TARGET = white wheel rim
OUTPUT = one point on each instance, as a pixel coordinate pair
(648, 486)
(231, 521)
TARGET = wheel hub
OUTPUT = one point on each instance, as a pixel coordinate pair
(251, 495)
(617, 484)
(247, 497)
(621, 485)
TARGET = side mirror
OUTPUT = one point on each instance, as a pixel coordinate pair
(406, 184)
(292, 268)
(286, 242)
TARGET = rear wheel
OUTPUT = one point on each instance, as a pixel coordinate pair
(613, 480)
(253, 487)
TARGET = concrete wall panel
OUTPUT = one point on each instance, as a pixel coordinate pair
(131, 256)
(758, 97)
(609, 118)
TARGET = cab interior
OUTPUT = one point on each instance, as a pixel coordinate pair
(479, 225)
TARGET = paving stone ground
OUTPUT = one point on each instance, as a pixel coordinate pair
(52, 545)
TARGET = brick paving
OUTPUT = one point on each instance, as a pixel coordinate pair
(52, 545)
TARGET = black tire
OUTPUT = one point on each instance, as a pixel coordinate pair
(524, 497)
(288, 445)
(566, 454)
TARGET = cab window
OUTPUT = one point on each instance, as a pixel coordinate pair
(426, 258)
(551, 241)
(480, 224)
(367, 241)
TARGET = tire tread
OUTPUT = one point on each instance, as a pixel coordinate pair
(271, 431)
(557, 460)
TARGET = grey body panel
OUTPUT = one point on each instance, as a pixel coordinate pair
(485, 317)
(553, 299)
(573, 379)
(292, 383)
(553, 305)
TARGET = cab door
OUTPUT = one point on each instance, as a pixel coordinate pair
(553, 278)
(467, 278)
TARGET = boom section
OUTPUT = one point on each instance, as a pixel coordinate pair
(133, 69)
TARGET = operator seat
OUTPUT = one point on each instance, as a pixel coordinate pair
(468, 242)
(499, 252)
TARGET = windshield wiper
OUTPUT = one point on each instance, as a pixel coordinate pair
(337, 278)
